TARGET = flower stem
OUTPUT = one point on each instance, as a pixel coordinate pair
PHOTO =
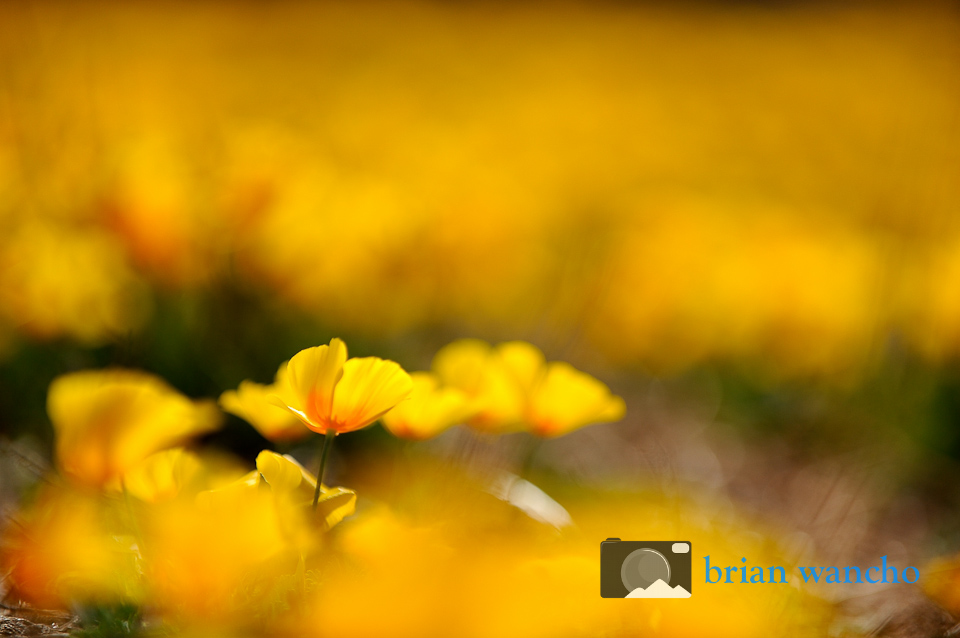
(327, 444)
(529, 456)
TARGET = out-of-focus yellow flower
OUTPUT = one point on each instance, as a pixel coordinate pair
(61, 551)
(331, 393)
(470, 365)
(201, 556)
(558, 397)
(515, 387)
(108, 421)
(565, 399)
(58, 281)
(430, 410)
(252, 401)
(412, 562)
(151, 206)
(163, 475)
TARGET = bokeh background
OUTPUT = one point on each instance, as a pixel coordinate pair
(743, 216)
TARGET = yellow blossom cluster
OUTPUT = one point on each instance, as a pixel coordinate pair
(138, 514)
(499, 389)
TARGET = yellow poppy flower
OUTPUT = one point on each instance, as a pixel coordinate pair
(290, 483)
(430, 410)
(253, 402)
(331, 393)
(288, 478)
(108, 421)
(517, 389)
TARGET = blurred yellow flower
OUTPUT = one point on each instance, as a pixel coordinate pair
(333, 394)
(414, 563)
(61, 552)
(515, 387)
(565, 399)
(162, 476)
(108, 421)
(63, 281)
(430, 410)
(202, 555)
(252, 402)
(470, 365)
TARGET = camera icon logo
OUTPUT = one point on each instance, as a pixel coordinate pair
(645, 569)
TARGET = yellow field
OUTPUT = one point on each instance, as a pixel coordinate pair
(668, 185)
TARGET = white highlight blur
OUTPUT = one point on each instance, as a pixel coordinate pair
(529, 498)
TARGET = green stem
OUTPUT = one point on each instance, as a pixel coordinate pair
(327, 444)
(529, 457)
